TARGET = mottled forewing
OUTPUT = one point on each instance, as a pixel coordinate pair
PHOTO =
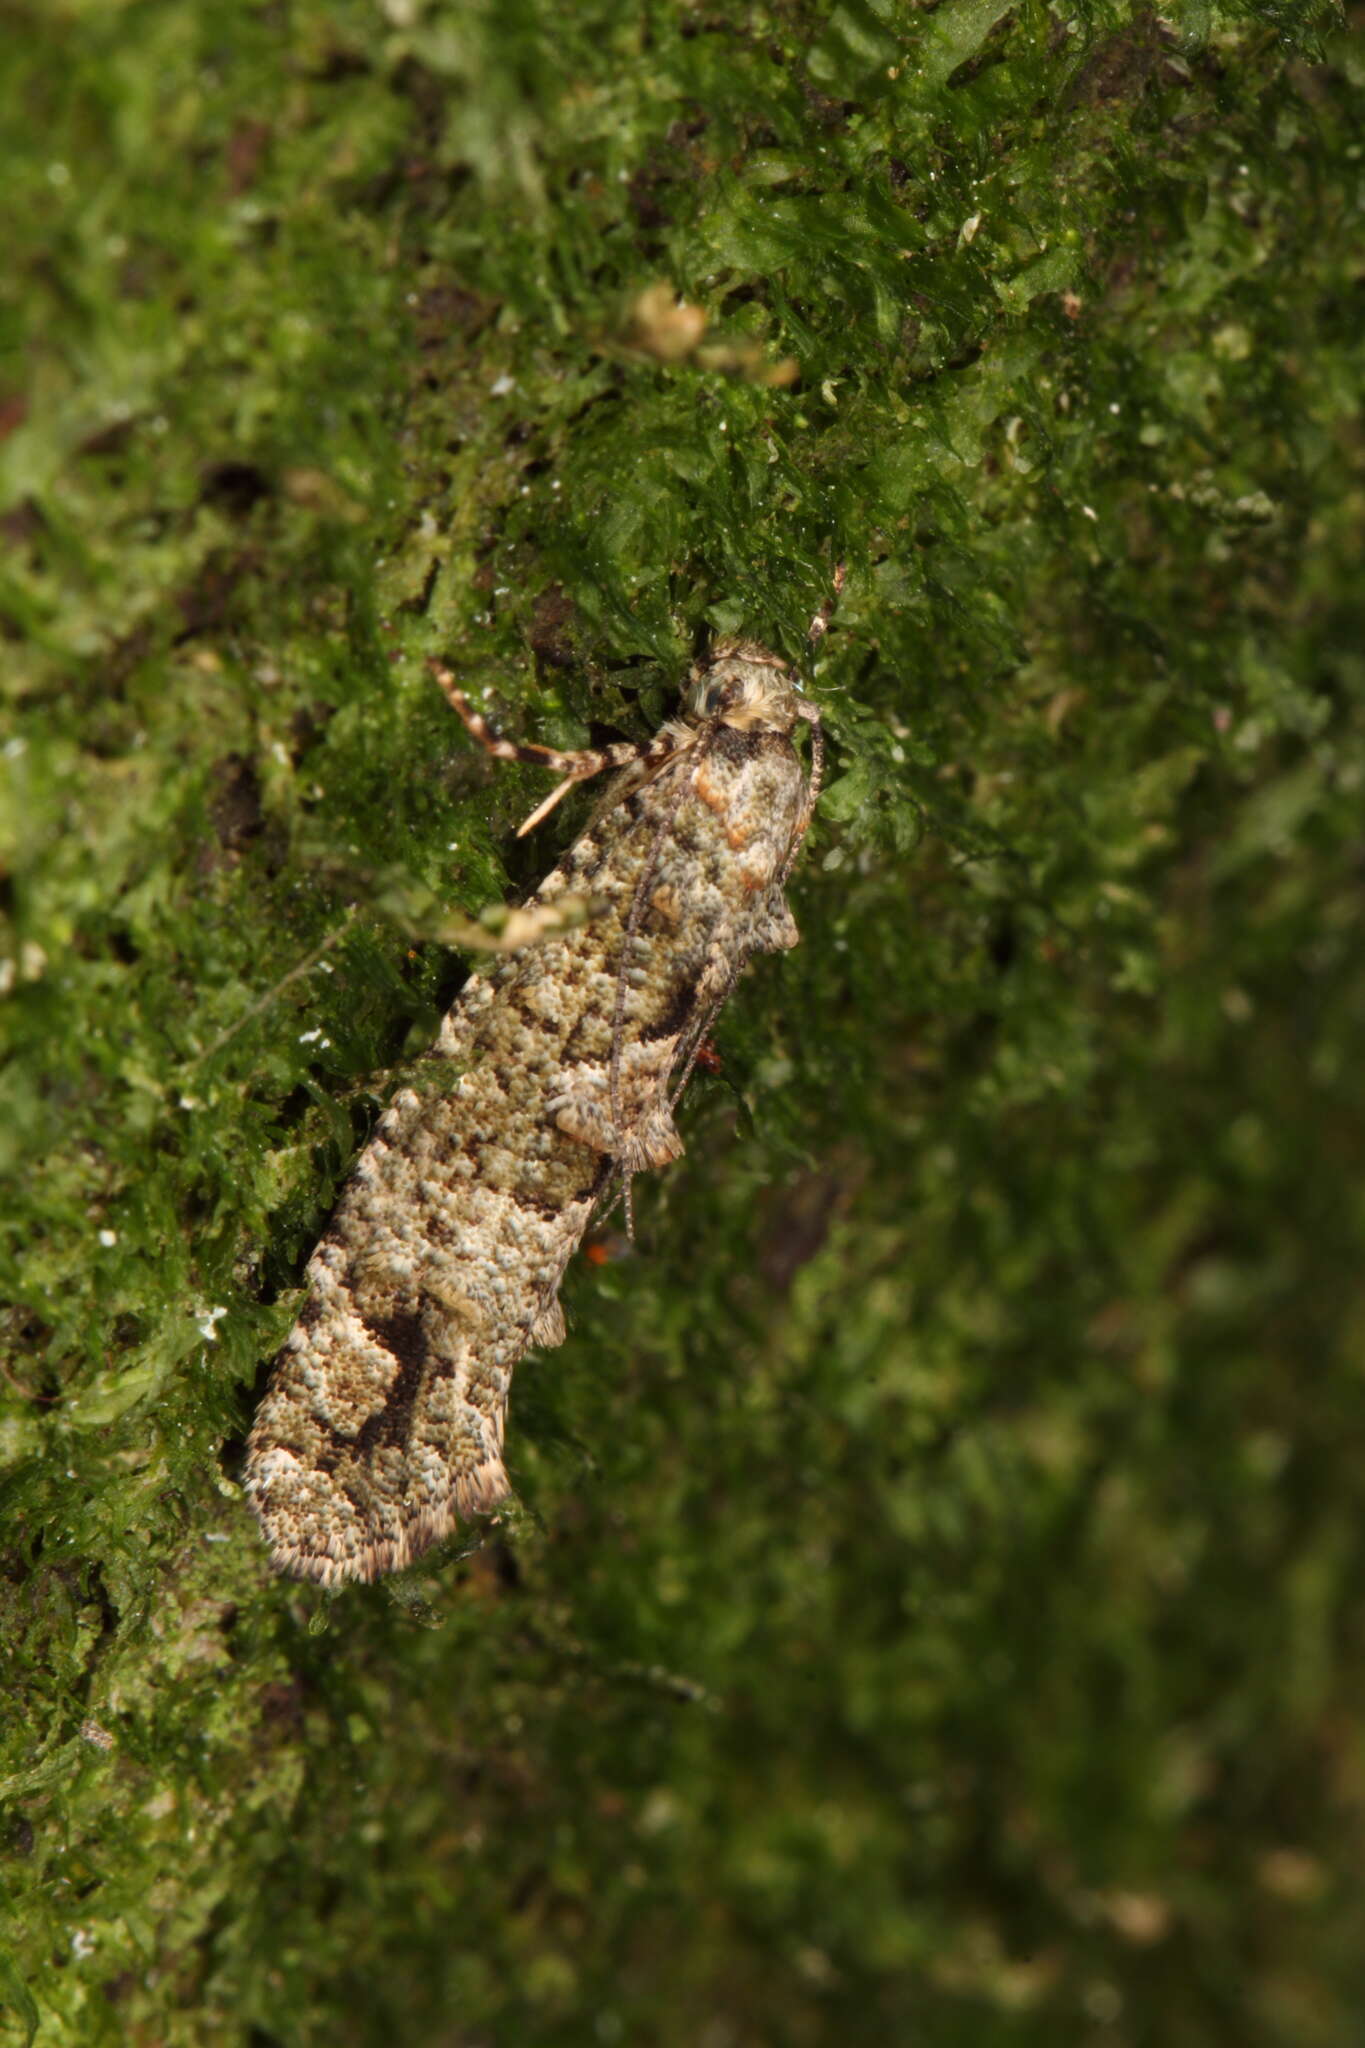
(550, 1081)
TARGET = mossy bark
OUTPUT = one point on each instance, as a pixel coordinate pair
(931, 1612)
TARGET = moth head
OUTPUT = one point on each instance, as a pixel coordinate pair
(742, 684)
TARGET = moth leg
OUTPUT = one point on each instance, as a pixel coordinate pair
(547, 804)
(577, 766)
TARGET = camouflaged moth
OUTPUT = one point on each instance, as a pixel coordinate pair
(554, 1079)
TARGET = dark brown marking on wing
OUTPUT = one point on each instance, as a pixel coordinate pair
(538, 1205)
(678, 1007)
(310, 1315)
(403, 1335)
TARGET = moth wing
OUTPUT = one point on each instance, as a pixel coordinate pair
(376, 1438)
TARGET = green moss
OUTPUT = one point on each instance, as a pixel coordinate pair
(931, 1605)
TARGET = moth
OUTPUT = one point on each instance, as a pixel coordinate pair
(554, 1080)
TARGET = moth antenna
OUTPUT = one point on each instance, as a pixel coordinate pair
(699, 1037)
(810, 711)
(634, 919)
(819, 625)
(613, 1192)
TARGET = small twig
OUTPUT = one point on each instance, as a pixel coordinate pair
(25, 1392)
(674, 1685)
(263, 1002)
